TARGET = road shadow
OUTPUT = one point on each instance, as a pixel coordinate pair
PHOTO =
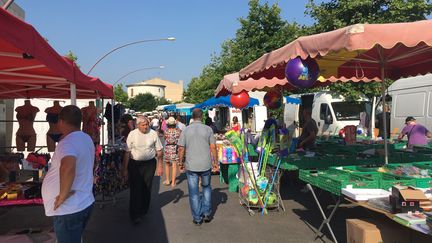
(218, 197)
(112, 223)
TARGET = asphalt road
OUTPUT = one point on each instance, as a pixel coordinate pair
(170, 220)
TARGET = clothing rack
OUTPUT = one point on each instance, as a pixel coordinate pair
(108, 178)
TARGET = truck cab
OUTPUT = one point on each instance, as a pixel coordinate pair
(330, 111)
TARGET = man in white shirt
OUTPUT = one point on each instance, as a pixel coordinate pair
(67, 187)
(139, 164)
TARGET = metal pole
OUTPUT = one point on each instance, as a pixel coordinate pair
(73, 93)
(7, 4)
(384, 116)
(372, 119)
(103, 126)
(112, 121)
(128, 44)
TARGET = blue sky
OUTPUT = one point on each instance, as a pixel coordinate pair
(92, 28)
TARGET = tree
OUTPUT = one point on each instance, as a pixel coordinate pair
(72, 57)
(261, 31)
(162, 101)
(336, 14)
(143, 102)
(120, 95)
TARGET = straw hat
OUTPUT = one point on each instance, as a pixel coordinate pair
(171, 121)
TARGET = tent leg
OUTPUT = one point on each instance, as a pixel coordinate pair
(384, 117)
(103, 126)
(372, 119)
(73, 93)
(112, 122)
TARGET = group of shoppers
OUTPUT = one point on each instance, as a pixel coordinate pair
(67, 187)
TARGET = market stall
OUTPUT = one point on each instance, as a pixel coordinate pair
(228, 157)
(31, 68)
(362, 52)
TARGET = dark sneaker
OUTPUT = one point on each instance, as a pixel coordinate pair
(197, 223)
(207, 218)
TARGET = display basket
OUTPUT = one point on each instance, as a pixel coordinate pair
(253, 206)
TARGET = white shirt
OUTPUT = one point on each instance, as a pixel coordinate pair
(143, 146)
(155, 122)
(79, 145)
(180, 125)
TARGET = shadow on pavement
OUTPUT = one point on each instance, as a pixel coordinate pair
(117, 226)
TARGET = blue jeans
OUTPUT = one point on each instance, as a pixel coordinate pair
(69, 227)
(200, 203)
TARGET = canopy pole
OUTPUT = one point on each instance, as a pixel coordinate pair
(384, 116)
(372, 119)
(102, 124)
(112, 122)
(73, 93)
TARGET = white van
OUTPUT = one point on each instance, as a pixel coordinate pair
(330, 111)
(411, 97)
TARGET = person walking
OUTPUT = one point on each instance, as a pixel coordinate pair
(139, 165)
(67, 187)
(199, 144)
(180, 124)
(171, 137)
(417, 134)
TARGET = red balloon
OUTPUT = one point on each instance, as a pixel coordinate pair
(240, 100)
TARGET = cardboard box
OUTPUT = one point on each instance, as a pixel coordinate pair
(375, 231)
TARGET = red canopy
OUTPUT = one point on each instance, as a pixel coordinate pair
(31, 68)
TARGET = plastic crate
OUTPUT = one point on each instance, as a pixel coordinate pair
(424, 165)
(389, 180)
(367, 172)
(420, 182)
(309, 176)
(334, 182)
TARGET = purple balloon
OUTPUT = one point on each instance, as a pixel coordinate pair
(302, 73)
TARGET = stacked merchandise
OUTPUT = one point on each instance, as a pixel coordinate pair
(259, 188)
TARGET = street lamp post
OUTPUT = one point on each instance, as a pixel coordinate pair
(137, 70)
(113, 100)
(115, 49)
(128, 44)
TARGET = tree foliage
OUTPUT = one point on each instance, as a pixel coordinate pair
(72, 56)
(120, 95)
(263, 30)
(143, 102)
(334, 14)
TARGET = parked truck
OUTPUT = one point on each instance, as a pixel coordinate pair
(330, 111)
(411, 97)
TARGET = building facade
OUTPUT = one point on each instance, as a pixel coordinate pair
(172, 91)
(141, 88)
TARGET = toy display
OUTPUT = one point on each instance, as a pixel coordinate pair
(302, 73)
(273, 99)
